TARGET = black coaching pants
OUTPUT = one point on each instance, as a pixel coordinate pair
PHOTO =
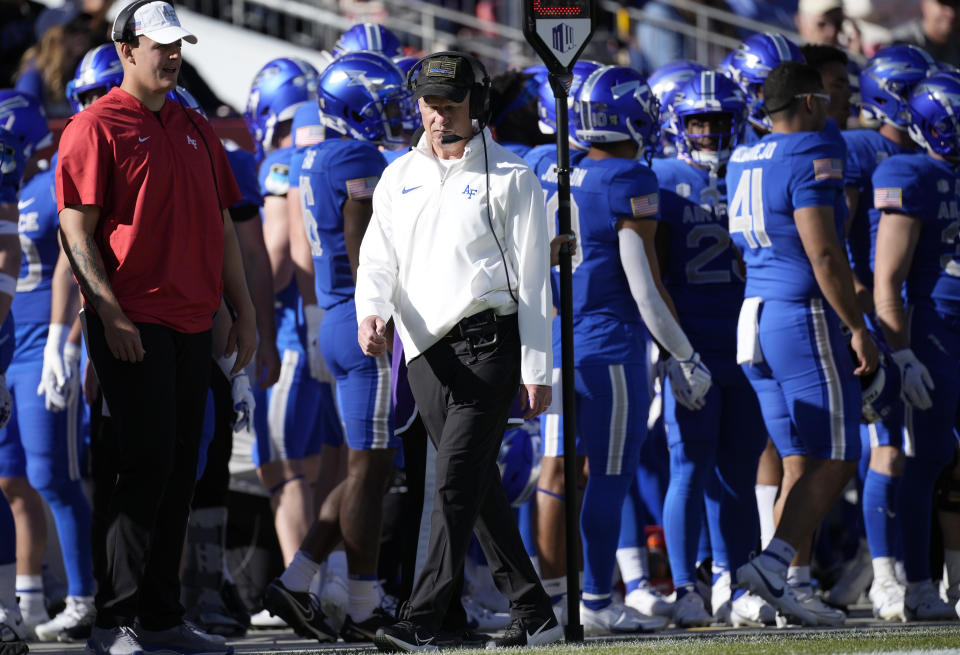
(157, 409)
(464, 395)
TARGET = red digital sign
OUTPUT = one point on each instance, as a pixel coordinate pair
(561, 9)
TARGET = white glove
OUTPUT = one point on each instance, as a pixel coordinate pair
(243, 402)
(6, 403)
(313, 314)
(914, 379)
(53, 374)
(690, 380)
(71, 365)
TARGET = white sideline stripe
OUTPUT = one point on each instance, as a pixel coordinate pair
(838, 442)
(619, 411)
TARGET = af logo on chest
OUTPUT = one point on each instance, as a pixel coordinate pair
(470, 192)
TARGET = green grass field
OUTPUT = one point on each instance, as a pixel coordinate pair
(788, 642)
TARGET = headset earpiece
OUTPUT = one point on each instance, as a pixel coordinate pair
(121, 24)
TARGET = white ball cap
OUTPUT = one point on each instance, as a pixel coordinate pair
(158, 21)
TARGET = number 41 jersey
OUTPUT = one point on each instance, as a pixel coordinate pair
(766, 182)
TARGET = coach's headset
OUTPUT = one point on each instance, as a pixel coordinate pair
(124, 32)
(479, 112)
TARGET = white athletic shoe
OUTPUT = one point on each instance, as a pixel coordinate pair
(616, 618)
(720, 594)
(825, 614)
(560, 610)
(923, 603)
(855, 579)
(478, 583)
(77, 617)
(647, 600)
(481, 619)
(334, 598)
(887, 596)
(689, 612)
(11, 624)
(264, 620)
(751, 611)
(772, 587)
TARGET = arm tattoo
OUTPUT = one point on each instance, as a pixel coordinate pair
(87, 265)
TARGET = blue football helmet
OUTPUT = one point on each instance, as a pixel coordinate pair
(519, 462)
(750, 64)
(664, 83)
(368, 36)
(308, 128)
(405, 64)
(887, 80)
(935, 121)
(615, 104)
(710, 92)
(278, 89)
(880, 390)
(101, 69)
(22, 116)
(547, 102)
(364, 95)
(187, 99)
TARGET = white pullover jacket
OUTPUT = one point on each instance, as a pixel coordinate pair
(429, 259)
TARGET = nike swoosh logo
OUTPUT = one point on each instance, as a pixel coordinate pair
(777, 593)
(422, 642)
(23, 204)
(143, 138)
(409, 189)
(4, 339)
(532, 635)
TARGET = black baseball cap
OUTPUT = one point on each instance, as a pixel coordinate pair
(447, 76)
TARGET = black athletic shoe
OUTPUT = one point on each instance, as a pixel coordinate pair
(300, 609)
(405, 636)
(529, 631)
(466, 638)
(366, 630)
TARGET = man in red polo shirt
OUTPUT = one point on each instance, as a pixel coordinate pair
(143, 187)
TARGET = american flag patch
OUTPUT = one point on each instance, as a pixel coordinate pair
(361, 188)
(309, 135)
(827, 169)
(644, 205)
(888, 198)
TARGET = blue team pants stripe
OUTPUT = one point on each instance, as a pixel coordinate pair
(277, 407)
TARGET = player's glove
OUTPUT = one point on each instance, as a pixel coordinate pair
(690, 380)
(318, 365)
(243, 402)
(6, 403)
(53, 374)
(915, 379)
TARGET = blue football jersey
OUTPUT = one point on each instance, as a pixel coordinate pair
(273, 178)
(39, 247)
(865, 150)
(244, 167)
(391, 156)
(274, 174)
(332, 173)
(766, 183)
(928, 189)
(606, 322)
(701, 271)
(12, 164)
(519, 149)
